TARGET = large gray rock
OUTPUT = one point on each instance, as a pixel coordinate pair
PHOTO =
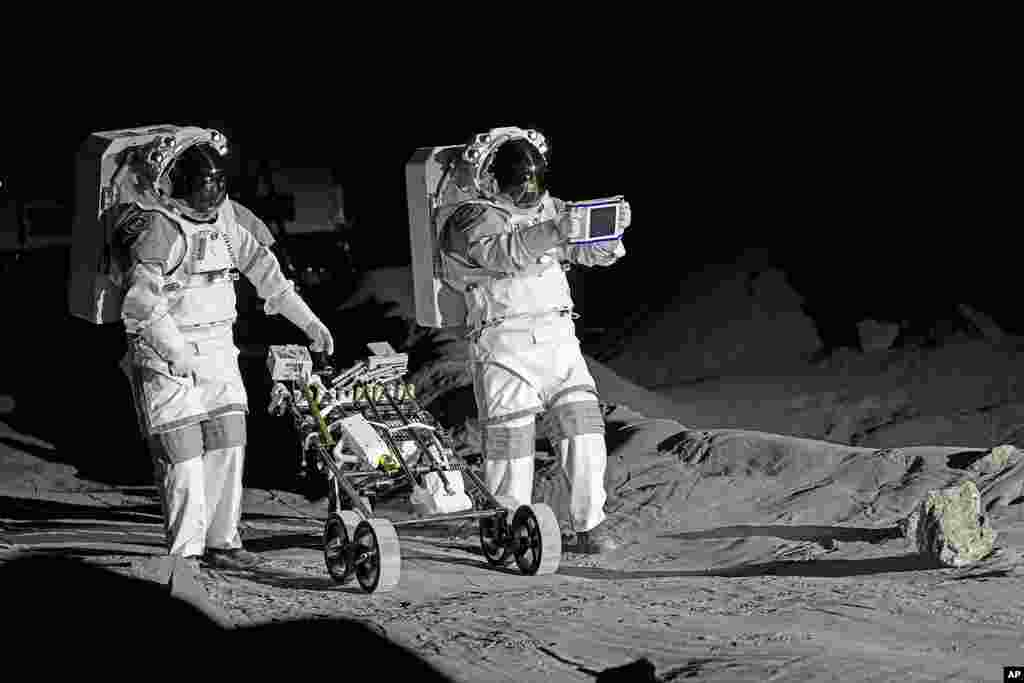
(949, 527)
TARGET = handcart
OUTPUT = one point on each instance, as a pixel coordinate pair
(363, 429)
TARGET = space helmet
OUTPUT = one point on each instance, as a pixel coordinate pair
(195, 182)
(519, 170)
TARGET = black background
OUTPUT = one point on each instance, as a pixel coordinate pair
(874, 166)
(871, 155)
(870, 173)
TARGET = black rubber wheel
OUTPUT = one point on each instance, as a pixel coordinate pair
(367, 502)
(494, 546)
(351, 518)
(494, 540)
(537, 541)
(377, 559)
(337, 536)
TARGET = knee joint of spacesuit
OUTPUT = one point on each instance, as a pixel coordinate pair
(177, 445)
(566, 420)
(509, 441)
(185, 443)
(224, 431)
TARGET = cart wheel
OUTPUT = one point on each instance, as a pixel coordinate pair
(537, 539)
(338, 533)
(351, 518)
(507, 502)
(366, 502)
(495, 545)
(377, 557)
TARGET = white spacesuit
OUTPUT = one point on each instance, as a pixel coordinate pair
(179, 244)
(505, 252)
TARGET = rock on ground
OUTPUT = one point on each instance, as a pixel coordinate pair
(950, 527)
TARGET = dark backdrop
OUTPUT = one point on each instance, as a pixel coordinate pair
(879, 182)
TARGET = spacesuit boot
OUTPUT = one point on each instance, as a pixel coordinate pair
(597, 541)
(223, 477)
(584, 459)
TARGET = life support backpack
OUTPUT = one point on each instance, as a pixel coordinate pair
(432, 195)
(109, 178)
(438, 181)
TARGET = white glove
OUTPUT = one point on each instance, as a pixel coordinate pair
(619, 250)
(298, 313)
(625, 216)
(163, 337)
(320, 336)
(186, 364)
(569, 223)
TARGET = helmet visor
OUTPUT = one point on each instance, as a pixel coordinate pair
(520, 171)
(199, 181)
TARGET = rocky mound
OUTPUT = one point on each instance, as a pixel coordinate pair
(732, 497)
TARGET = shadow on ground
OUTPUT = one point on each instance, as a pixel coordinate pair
(54, 601)
(793, 533)
(36, 510)
(805, 568)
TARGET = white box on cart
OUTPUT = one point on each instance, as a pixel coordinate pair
(289, 362)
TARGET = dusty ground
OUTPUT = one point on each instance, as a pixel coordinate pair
(808, 592)
(851, 611)
(880, 618)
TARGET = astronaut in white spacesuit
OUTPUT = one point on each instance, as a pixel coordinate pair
(505, 252)
(181, 246)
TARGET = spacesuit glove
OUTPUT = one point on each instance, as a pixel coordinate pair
(185, 363)
(320, 336)
(625, 216)
(163, 337)
(612, 252)
(298, 313)
(569, 224)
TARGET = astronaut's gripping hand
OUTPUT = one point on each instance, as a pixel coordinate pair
(320, 337)
(186, 364)
(596, 254)
(298, 312)
(568, 224)
(625, 216)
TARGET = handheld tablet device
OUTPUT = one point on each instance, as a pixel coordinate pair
(598, 220)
